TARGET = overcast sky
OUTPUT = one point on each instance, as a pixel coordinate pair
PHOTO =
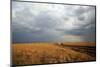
(52, 22)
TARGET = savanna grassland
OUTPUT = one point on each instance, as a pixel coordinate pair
(45, 53)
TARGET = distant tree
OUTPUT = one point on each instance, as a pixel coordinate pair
(60, 43)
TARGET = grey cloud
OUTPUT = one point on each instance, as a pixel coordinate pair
(81, 18)
(80, 11)
(44, 26)
(45, 21)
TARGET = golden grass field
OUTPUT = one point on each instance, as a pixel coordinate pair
(45, 53)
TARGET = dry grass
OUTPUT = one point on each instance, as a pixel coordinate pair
(80, 43)
(42, 53)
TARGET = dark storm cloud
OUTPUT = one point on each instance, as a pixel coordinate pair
(81, 18)
(80, 10)
(86, 24)
(28, 28)
(45, 21)
(50, 22)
